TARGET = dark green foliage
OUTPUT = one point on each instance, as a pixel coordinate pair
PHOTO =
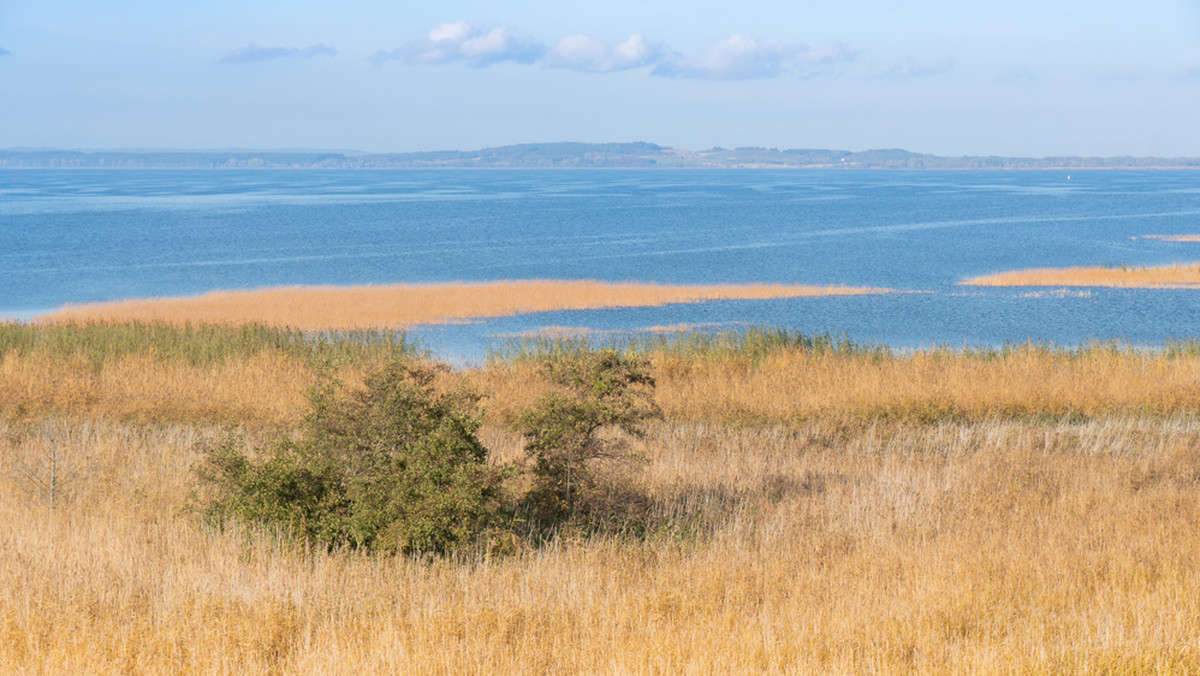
(394, 467)
(288, 489)
(397, 467)
(579, 475)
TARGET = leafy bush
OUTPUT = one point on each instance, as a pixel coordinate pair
(394, 467)
(397, 467)
(577, 463)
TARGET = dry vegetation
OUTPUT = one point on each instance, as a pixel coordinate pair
(1179, 276)
(783, 386)
(821, 509)
(402, 305)
(795, 385)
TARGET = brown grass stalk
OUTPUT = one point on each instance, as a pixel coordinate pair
(402, 305)
(1179, 276)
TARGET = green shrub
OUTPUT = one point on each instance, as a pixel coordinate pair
(287, 489)
(397, 467)
(580, 469)
(394, 467)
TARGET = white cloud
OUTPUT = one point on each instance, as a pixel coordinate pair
(740, 57)
(253, 52)
(461, 41)
(906, 69)
(583, 52)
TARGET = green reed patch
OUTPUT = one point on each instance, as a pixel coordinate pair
(199, 344)
(753, 344)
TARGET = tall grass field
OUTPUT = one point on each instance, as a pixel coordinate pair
(817, 506)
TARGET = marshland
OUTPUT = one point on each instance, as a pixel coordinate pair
(599, 338)
(811, 505)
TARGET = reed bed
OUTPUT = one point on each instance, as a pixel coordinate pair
(701, 344)
(818, 506)
(264, 389)
(249, 374)
(199, 344)
(993, 546)
(1178, 276)
(330, 308)
(752, 377)
(777, 376)
(1024, 382)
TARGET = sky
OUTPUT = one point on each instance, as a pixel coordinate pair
(1016, 78)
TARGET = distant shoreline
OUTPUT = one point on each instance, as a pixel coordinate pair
(569, 156)
(569, 169)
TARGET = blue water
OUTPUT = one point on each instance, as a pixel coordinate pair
(72, 236)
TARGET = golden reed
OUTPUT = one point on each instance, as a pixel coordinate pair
(984, 547)
(789, 385)
(832, 513)
(1180, 276)
(402, 305)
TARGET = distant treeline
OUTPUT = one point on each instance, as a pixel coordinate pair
(563, 155)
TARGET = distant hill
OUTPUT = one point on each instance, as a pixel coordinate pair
(561, 155)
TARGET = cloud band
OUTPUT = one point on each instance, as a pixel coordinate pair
(738, 57)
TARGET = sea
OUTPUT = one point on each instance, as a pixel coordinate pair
(73, 236)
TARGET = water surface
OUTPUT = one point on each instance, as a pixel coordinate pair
(74, 236)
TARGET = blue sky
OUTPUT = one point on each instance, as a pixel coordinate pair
(1007, 78)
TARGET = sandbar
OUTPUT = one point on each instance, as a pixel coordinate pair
(398, 306)
(1178, 276)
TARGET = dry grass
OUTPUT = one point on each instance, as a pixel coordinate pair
(795, 385)
(1179, 276)
(1173, 238)
(266, 388)
(988, 547)
(402, 305)
(787, 385)
(818, 512)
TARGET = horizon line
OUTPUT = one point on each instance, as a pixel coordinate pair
(352, 153)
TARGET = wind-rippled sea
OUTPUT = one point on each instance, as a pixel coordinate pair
(69, 236)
